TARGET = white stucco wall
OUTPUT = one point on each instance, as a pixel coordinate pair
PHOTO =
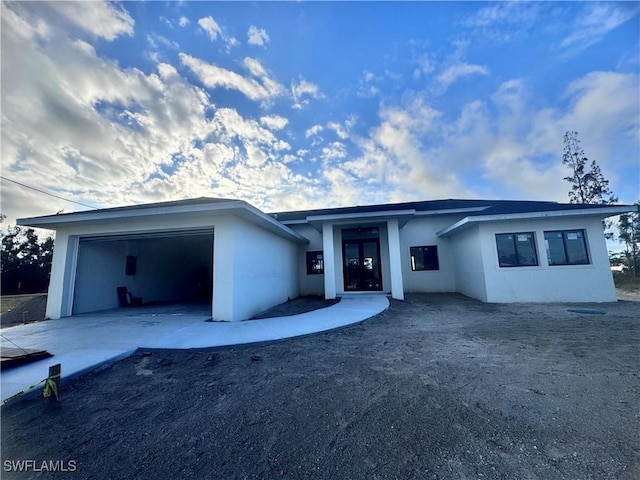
(468, 262)
(261, 271)
(309, 284)
(62, 278)
(548, 283)
(421, 231)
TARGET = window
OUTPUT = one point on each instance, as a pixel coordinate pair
(516, 249)
(424, 258)
(315, 263)
(566, 247)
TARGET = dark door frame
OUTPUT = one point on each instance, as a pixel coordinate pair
(360, 270)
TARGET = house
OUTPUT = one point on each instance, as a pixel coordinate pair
(243, 260)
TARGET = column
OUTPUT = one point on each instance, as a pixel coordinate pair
(329, 261)
(393, 232)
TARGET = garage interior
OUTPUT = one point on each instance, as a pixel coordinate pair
(158, 268)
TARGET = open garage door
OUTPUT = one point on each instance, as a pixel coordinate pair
(157, 268)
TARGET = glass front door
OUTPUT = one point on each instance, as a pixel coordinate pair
(361, 258)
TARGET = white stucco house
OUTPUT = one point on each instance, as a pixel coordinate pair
(243, 260)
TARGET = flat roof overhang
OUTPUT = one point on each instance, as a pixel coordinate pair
(316, 221)
(477, 219)
(119, 215)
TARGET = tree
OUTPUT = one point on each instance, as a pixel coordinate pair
(25, 261)
(629, 233)
(587, 186)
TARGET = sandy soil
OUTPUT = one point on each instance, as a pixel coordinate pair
(436, 387)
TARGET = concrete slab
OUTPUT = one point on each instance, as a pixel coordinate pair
(83, 342)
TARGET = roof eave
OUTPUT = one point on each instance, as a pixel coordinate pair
(602, 213)
(233, 207)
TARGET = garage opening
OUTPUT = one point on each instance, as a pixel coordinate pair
(158, 268)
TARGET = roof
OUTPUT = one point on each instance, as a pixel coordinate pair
(450, 206)
(195, 207)
(473, 211)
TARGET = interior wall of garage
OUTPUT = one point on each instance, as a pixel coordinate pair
(168, 269)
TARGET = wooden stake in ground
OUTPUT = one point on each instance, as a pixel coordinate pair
(52, 384)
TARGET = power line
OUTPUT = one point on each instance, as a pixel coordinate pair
(47, 193)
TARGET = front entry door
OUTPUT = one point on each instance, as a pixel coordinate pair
(361, 263)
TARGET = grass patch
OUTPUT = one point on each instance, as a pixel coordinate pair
(626, 281)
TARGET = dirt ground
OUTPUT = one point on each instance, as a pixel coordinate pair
(436, 387)
(20, 309)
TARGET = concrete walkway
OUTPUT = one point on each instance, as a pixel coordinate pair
(83, 342)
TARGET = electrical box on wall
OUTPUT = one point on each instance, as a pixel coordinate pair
(131, 265)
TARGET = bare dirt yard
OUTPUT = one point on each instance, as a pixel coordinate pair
(436, 387)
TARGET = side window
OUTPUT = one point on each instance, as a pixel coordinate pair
(315, 263)
(566, 247)
(424, 258)
(516, 249)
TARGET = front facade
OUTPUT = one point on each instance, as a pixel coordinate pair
(243, 261)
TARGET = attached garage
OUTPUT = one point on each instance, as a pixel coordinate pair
(153, 268)
(226, 253)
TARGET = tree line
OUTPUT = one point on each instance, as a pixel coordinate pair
(26, 259)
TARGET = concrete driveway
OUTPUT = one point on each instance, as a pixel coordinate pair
(84, 342)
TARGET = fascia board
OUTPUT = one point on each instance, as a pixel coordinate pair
(70, 219)
(600, 213)
(234, 207)
(317, 220)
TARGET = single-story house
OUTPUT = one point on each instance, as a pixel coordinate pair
(243, 260)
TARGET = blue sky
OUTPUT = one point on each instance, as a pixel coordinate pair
(292, 105)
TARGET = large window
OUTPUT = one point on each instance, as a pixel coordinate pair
(516, 249)
(566, 247)
(315, 263)
(424, 258)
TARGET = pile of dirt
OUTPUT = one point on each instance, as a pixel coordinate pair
(27, 309)
(436, 387)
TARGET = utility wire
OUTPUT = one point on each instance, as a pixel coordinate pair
(47, 193)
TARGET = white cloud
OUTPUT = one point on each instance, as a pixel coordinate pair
(316, 129)
(155, 41)
(213, 76)
(501, 13)
(93, 19)
(257, 36)
(213, 30)
(184, 21)
(460, 70)
(274, 122)
(110, 136)
(209, 25)
(597, 20)
(338, 129)
(334, 151)
(302, 91)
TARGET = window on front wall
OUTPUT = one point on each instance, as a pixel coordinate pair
(566, 247)
(424, 258)
(315, 263)
(516, 249)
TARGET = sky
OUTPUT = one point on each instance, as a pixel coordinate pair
(298, 105)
